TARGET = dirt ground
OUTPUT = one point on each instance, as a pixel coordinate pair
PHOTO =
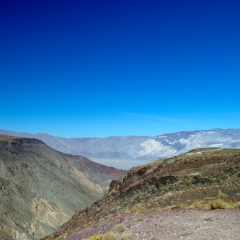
(170, 225)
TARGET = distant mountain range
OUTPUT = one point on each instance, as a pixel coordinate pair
(139, 147)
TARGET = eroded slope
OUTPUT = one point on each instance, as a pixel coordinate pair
(39, 189)
(190, 180)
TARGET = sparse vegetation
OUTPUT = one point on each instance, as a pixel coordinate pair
(106, 236)
(140, 207)
(126, 236)
(109, 236)
(188, 183)
(209, 198)
(119, 228)
(219, 204)
(237, 205)
(127, 210)
(221, 194)
(96, 237)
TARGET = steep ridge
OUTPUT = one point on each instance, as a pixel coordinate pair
(40, 189)
(140, 147)
(202, 178)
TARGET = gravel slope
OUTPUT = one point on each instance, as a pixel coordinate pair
(170, 225)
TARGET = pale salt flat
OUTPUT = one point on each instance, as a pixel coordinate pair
(124, 164)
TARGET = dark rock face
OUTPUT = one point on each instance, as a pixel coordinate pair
(18, 146)
(198, 180)
(158, 182)
(142, 171)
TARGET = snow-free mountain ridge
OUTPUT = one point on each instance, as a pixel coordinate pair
(140, 147)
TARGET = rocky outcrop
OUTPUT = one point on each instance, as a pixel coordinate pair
(192, 180)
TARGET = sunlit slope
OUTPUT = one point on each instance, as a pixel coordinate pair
(39, 189)
(205, 178)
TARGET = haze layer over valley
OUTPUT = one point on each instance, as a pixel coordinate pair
(127, 151)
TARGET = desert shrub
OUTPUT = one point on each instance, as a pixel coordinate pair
(127, 210)
(119, 228)
(219, 180)
(237, 205)
(183, 206)
(109, 236)
(139, 208)
(188, 183)
(221, 194)
(198, 204)
(218, 204)
(237, 194)
(96, 237)
(126, 236)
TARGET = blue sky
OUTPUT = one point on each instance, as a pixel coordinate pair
(103, 68)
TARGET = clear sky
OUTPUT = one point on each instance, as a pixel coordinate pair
(89, 68)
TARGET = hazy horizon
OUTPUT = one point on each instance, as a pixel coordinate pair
(163, 133)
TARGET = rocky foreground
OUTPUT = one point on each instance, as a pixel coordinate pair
(173, 224)
(169, 191)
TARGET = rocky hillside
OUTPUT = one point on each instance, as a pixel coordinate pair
(202, 178)
(40, 189)
(95, 172)
(140, 147)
